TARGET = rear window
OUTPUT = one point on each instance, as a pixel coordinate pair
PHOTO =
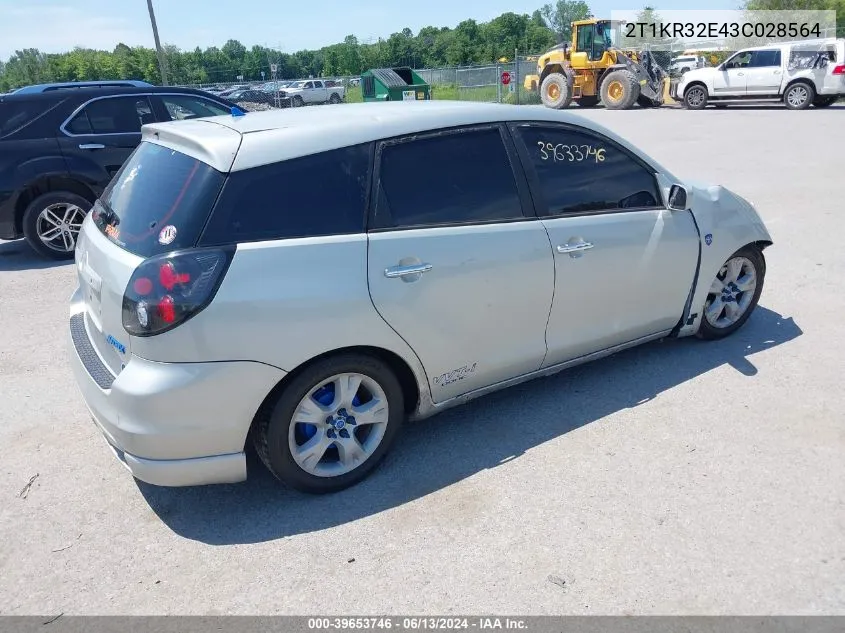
(17, 114)
(159, 201)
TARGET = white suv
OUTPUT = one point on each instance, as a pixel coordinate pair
(799, 74)
(685, 63)
(424, 254)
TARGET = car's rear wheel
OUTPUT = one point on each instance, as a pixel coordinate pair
(51, 223)
(332, 425)
(335, 98)
(733, 294)
(799, 96)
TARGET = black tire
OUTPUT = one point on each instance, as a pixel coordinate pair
(273, 423)
(753, 254)
(619, 90)
(588, 102)
(824, 101)
(335, 98)
(799, 96)
(695, 97)
(297, 101)
(556, 91)
(31, 220)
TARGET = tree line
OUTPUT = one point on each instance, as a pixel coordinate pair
(469, 42)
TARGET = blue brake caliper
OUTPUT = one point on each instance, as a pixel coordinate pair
(325, 396)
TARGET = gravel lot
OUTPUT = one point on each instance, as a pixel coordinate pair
(681, 477)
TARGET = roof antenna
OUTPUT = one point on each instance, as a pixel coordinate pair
(236, 111)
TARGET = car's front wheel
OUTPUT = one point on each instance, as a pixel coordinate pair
(733, 294)
(51, 223)
(332, 425)
(695, 98)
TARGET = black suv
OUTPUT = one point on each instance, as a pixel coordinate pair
(60, 147)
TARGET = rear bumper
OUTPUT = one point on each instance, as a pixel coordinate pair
(172, 424)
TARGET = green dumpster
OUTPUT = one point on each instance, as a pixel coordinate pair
(393, 84)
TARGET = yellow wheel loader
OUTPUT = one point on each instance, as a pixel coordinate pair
(593, 68)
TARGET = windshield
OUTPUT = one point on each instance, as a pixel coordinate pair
(297, 84)
(159, 201)
(611, 32)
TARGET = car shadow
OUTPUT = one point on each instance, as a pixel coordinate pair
(438, 452)
(18, 255)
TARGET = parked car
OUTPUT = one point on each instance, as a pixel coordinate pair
(252, 96)
(799, 74)
(67, 85)
(685, 63)
(60, 148)
(313, 91)
(499, 244)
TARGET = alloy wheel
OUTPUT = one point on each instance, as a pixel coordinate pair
(58, 226)
(338, 425)
(731, 293)
(695, 97)
(798, 96)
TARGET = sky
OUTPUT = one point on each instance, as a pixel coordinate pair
(287, 25)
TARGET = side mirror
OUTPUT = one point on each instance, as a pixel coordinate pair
(677, 198)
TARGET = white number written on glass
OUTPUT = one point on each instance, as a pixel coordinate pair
(570, 153)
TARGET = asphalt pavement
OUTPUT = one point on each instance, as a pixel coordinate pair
(682, 477)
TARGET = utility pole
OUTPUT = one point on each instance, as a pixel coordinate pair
(162, 61)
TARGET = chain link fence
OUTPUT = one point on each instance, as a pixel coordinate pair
(504, 82)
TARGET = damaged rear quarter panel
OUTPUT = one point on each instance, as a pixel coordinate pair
(726, 223)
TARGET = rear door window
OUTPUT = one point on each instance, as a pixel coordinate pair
(455, 178)
(15, 115)
(321, 194)
(158, 201)
(114, 115)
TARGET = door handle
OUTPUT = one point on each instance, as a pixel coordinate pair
(740, 74)
(92, 146)
(777, 72)
(402, 271)
(575, 248)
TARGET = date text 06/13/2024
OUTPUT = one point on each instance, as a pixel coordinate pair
(417, 623)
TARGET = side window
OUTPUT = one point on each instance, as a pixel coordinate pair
(579, 172)
(764, 59)
(318, 84)
(277, 201)
(449, 179)
(309, 85)
(113, 115)
(181, 107)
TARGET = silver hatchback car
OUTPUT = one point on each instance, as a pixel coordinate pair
(306, 280)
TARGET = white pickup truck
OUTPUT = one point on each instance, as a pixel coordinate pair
(310, 91)
(799, 74)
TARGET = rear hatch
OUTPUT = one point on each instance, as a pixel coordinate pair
(158, 202)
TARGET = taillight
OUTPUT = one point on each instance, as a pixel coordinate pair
(167, 290)
(839, 70)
